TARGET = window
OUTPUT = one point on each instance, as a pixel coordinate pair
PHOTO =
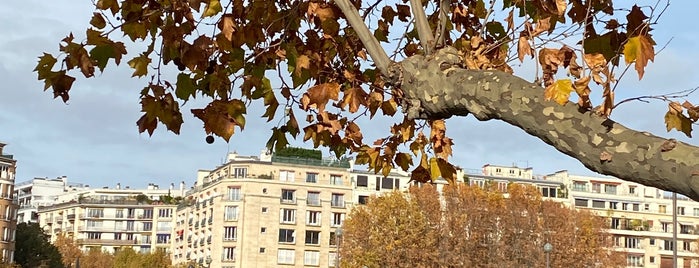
(387, 183)
(652, 259)
(147, 213)
(311, 258)
(332, 259)
(609, 189)
(119, 213)
(312, 177)
(616, 223)
(313, 217)
(632, 191)
(285, 256)
(581, 202)
(662, 208)
(333, 239)
(337, 219)
(363, 199)
(624, 206)
(686, 246)
(614, 205)
(230, 233)
(163, 238)
(95, 213)
(362, 181)
(263, 230)
(634, 260)
(636, 207)
(147, 226)
(312, 237)
(666, 227)
(336, 179)
(262, 250)
(91, 235)
(646, 207)
(338, 200)
(233, 194)
(652, 241)
(685, 229)
(313, 199)
(597, 204)
(165, 212)
(231, 213)
(680, 210)
(264, 209)
(286, 236)
(579, 186)
(288, 196)
(696, 212)
(633, 242)
(545, 191)
(240, 172)
(228, 254)
(669, 245)
(286, 175)
(596, 187)
(287, 215)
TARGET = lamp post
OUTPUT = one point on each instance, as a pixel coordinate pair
(338, 236)
(547, 248)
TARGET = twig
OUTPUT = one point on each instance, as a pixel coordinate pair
(441, 30)
(665, 97)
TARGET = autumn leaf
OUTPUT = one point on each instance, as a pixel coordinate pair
(302, 62)
(674, 119)
(639, 50)
(524, 48)
(227, 26)
(354, 97)
(403, 160)
(221, 117)
(213, 8)
(98, 21)
(140, 65)
(319, 95)
(559, 91)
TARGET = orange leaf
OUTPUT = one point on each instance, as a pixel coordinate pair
(640, 50)
(524, 48)
(354, 97)
(319, 95)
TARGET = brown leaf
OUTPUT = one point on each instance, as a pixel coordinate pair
(319, 95)
(582, 88)
(227, 26)
(674, 119)
(221, 117)
(354, 97)
(639, 50)
(524, 48)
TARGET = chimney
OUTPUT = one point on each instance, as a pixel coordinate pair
(232, 156)
(172, 186)
(118, 187)
(182, 188)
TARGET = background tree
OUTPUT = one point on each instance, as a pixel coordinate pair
(32, 247)
(70, 252)
(96, 258)
(474, 228)
(327, 61)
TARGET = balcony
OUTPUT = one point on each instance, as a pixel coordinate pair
(313, 202)
(287, 200)
(71, 217)
(337, 204)
(106, 242)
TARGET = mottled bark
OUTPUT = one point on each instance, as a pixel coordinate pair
(439, 87)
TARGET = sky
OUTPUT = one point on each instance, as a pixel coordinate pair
(94, 139)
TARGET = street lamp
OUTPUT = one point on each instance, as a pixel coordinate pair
(547, 248)
(338, 235)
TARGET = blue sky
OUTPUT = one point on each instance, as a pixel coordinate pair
(94, 138)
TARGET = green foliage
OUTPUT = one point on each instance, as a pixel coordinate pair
(141, 198)
(300, 153)
(32, 247)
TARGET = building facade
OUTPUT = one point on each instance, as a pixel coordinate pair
(639, 217)
(29, 195)
(8, 210)
(113, 218)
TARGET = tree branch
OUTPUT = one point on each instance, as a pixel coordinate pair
(437, 87)
(377, 53)
(423, 27)
(441, 30)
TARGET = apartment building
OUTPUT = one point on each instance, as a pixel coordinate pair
(31, 194)
(502, 176)
(8, 210)
(263, 212)
(640, 218)
(111, 218)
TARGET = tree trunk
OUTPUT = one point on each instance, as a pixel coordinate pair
(437, 87)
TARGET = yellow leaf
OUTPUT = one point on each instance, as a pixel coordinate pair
(354, 97)
(434, 169)
(639, 49)
(674, 119)
(319, 95)
(213, 8)
(559, 91)
(140, 65)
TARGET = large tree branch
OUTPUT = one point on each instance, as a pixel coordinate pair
(376, 52)
(438, 87)
(423, 27)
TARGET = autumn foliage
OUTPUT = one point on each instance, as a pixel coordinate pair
(473, 227)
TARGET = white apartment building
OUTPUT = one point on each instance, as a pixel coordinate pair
(31, 194)
(110, 218)
(640, 218)
(8, 210)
